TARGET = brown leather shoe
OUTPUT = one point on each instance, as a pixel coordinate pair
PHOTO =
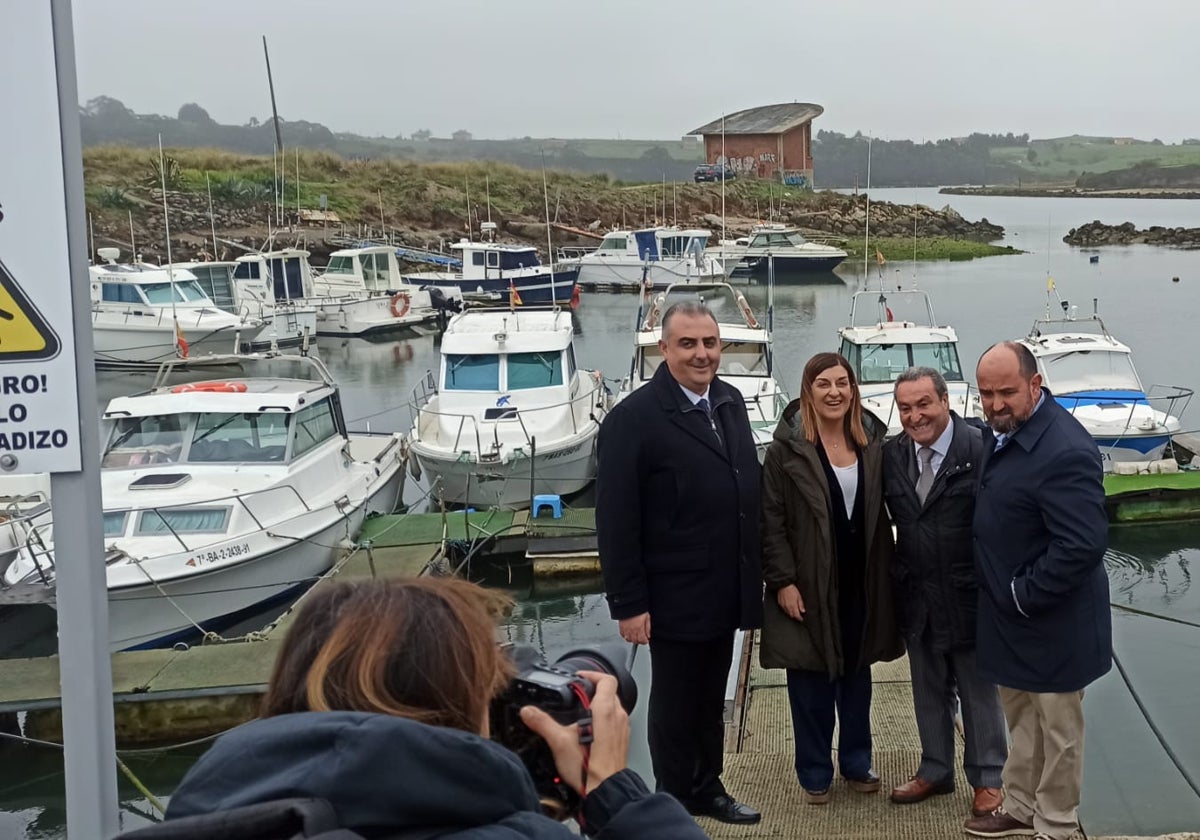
(998, 824)
(987, 800)
(917, 790)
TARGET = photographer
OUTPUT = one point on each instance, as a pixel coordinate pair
(379, 706)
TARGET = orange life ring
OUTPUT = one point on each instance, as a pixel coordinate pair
(744, 305)
(400, 304)
(216, 387)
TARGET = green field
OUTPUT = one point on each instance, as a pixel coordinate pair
(1065, 158)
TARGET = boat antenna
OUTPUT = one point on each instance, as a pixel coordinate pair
(487, 186)
(297, 186)
(867, 224)
(382, 220)
(162, 176)
(467, 188)
(132, 242)
(212, 219)
(275, 119)
(91, 239)
(723, 163)
(549, 244)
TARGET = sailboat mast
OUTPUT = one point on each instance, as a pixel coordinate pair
(867, 224)
(275, 119)
(162, 175)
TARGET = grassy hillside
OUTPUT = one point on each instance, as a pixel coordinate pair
(1066, 158)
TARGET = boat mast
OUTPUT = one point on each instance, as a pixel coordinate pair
(162, 176)
(275, 118)
(212, 219)
(867, 225)
(549, 244)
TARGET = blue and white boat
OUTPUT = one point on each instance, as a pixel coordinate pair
(492, 269)
(657, 256)
(1091, 374)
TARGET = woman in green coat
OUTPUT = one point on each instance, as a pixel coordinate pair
(827, 547)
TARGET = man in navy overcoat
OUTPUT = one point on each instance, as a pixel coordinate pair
(1045, 631)
(677, 504)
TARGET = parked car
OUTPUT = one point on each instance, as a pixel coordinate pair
(713, 171)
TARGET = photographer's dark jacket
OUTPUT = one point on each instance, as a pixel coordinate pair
(677, 512)
(937, 591)
(799, 548)
(385, 775)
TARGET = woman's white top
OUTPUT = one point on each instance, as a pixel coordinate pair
(848, 478)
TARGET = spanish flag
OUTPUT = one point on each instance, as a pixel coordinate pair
(181, 345)
(1049, 284)
(879, 257)
(514, 297)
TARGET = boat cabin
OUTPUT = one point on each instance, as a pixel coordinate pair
(882, 349)
(232, 421)
(491, 260)
(774, 237)
(374, 268)
(287, 271)
(653, 244)
(147, 285)
(1075, 363)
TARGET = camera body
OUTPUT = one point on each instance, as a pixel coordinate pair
(555, 689)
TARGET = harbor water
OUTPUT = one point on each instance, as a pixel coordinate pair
(1131, 786)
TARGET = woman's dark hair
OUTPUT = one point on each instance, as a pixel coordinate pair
(423, 648)
(808, 412)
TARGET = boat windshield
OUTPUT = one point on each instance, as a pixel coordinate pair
(140, 441)
(340, 265)
(874, 363)
(243, 436)
(186, 291)
(777, 239)
(534, 370)
(1090, 370)
(738, 358)
(470, 372)
(613, 243)
(720, 300)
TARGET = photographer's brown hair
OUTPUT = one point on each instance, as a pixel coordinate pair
(423, 649)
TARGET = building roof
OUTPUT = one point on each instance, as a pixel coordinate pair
(767, 119)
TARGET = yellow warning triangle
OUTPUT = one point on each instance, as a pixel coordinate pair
(24, 333)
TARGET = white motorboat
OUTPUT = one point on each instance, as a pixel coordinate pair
(785, 245)
(366, 294)
(1091, 374)
(221, 496)
(145, 314)
(882, 348)
(508, 415)
(285, 322)
(747, 361)
(496, 270)
(658, 256)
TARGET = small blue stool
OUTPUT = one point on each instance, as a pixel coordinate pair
(550, 500)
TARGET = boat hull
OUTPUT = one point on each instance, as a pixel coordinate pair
(353, 316)
(532, 288)
(659, 274)
(135, 344)
(791, 264)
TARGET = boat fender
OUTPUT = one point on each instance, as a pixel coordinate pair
(400, 304)
(216, 387)
(744, 305)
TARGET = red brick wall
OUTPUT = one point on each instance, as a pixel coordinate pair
(759, 155)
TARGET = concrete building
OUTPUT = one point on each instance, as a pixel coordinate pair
(772, 141)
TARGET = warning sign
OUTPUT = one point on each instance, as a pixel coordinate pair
(42, 222)
(24, 334)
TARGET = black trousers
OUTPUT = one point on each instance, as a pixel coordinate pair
(686, 725)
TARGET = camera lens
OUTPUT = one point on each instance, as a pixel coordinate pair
(607, 659)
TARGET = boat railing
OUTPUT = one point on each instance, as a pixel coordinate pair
(309, 364)
(163, 316)
(41, 550)
(883, 300)
(470, 425)
(573, 252)
(1161, 399)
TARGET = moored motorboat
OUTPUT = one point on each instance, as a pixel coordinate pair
(508, 415)
(784, 245)
(747, 361)
(221, 496)
(1091, 374)
(364, 293)
(658, 256)
(882, 347)
(285, 323)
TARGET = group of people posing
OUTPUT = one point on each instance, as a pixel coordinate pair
(993, 581)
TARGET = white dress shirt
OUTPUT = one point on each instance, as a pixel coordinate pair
(940, 447)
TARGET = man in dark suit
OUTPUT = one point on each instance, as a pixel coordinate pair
(1045, 631)
(677, 498)
(929, 478)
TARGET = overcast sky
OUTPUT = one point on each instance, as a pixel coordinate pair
(917, 69)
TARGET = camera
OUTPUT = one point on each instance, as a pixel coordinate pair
(553, 689)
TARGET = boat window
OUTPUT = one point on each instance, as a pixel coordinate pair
(190, 291)
(673, 246)
(314, 425)
(120, 293)
(942, 357)
(613, 243)
(534, 370)
(340, 265)
(477, 258)
(288, 278)
(183, 521)
(139, 441)
(246, 271)
(570, 363)
(493, 259)
(472, 372)
(883, 362)
(161, 294)
(114, 523)
(651, 359)
(519, 259)
(849, 351)
(743, 358)
(216, 285)
(224, 437)
(1090, 370)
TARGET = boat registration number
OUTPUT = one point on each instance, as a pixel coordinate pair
(227, 553)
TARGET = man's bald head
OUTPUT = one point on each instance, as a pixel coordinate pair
(1009, 385)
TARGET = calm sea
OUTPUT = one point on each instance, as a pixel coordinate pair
(1131, 787)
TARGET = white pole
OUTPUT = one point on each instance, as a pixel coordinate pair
(867, 224)
(162, 171)
(91, 239)
(297, 186)
(212, 219)
(132, 242)
(549, 244)
(85, 668)
(723, 164)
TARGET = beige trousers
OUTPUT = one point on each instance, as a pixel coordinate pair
(1043, 776)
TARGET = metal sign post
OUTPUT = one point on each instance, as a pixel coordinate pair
(47, 380)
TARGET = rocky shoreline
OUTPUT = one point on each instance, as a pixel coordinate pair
(1070, 192)
(1097, 233)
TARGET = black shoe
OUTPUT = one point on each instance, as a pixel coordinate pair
(726, 809)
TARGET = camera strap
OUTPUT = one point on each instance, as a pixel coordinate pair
(586, 736)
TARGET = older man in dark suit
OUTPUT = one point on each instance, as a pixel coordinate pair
(1045, 631)
(930, 474)
(677, 499)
